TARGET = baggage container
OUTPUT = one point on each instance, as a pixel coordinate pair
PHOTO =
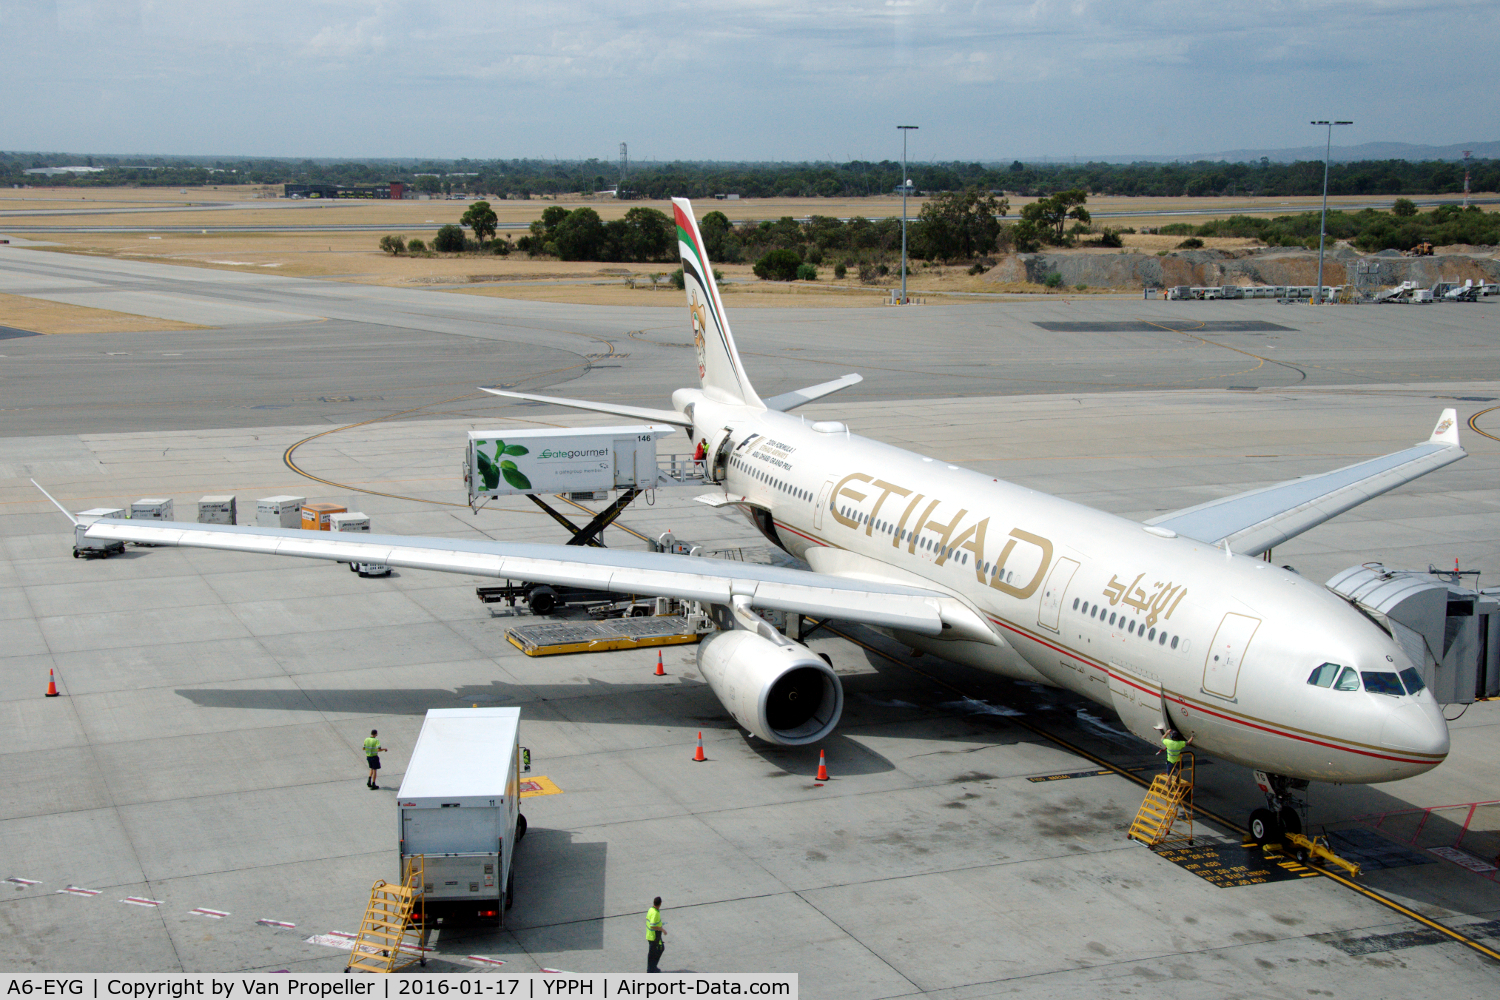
(94, 548)
(279, 512)
(315, 516)
(568, 460)
(459, 807)
(216, 510)
(152, 509)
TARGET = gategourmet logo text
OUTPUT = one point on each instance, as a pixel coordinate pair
(574, 453)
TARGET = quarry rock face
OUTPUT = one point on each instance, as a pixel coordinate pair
(1273, 266)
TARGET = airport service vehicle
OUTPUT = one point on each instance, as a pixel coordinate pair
(459, 807)
(1174, 622)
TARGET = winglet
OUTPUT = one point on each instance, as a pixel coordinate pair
(1446, 431)
(59, 506)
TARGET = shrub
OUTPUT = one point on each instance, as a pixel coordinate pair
(807, 272)
(678, 281)
(867, 273)
(1110, 238)
(1080, 287)
(1191, 243)
(1403, 208)
(392, 244)
(882, 270)
(449, 239)
(1053, 280)
(416, 246)
(778, 265)
(840, 271)
(500, 247)
(976, 269)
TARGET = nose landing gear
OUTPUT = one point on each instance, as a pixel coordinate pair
(1285, 808)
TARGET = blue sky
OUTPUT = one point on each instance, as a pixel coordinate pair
(752, 79)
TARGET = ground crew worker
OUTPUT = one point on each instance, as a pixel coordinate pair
(656, 936)
(1174, 744)
(373, 750)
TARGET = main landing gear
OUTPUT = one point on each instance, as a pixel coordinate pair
(1285, 810)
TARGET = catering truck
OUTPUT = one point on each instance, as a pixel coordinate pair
(458, 808)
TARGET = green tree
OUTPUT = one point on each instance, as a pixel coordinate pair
(392, 244)
(482, 219)
(449, 239)
(807, 272)
(647, 235)
(1026, 235)
(778, 265)
(959, 225)
(1403, 208)
(580, 236)
(416, 246)
(1051, 214)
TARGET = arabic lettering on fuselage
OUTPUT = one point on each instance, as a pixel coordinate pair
(945, 536)
(1159, 603)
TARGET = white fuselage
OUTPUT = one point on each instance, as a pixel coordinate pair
(1076, 598)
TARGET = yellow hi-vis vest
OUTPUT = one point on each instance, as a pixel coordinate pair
(1174, 749)
(372, 746)
(653, 923)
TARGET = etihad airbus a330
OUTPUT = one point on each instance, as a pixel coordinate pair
(1174, 622)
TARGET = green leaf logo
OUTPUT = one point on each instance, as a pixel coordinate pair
(515, 476)
(515, 449)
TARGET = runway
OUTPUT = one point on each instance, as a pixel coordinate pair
(204, 754)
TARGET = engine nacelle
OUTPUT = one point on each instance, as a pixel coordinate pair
(778, 689)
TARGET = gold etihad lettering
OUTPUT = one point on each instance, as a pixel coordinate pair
(1156, 603)
(950, 539)
(855, 495)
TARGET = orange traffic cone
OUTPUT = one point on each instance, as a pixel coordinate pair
(698, 756)
(822, 767)
(51, 684)
(659, 671)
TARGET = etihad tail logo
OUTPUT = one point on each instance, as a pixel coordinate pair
(700, 323)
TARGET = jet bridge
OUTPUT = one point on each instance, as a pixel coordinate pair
(1450, 631)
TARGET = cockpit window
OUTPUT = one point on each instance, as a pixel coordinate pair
(1323, 676)
(1348, 680)
(1413, 680)
(1382, 683)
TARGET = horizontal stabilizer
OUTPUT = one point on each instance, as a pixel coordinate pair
(795, 398)
(618, 409)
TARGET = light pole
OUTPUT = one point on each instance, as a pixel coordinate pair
(1323, 219)
(904, 129)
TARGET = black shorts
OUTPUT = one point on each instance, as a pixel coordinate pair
(374, 763)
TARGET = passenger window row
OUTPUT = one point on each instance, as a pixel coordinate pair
(951, 553)
(770, 480)
(1340, 678)
(1159, 636)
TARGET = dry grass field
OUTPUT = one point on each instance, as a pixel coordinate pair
(42, 316)
(336, 255)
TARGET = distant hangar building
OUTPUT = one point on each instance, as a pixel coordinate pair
(394, 191)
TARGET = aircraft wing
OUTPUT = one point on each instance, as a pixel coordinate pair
(1255, 521)
(657, 574)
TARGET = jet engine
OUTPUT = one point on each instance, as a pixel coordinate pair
(778, 689)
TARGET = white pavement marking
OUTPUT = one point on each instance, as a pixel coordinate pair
(74, 890)
(22, 882)
(141, 901)
(276, 923)
(213, 914)
(1464, 858)
(344, 941)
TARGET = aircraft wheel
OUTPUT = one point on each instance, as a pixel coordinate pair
(1263, 827)
(1289, 820)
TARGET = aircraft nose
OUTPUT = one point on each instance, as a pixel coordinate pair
(1416, 727)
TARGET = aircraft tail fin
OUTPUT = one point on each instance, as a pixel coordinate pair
(719, 367)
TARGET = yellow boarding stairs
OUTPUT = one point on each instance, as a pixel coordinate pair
(1169, 800)
(393, 934)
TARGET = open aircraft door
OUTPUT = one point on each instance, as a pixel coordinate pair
(1226, 654)
(1054, 591)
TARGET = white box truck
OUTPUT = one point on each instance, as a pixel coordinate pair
(562, 460)
(91, 548)
(459, 807)
(357, 522)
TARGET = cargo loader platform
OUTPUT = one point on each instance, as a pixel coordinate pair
(553, 638)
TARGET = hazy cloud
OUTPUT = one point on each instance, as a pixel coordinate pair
(753, 79)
